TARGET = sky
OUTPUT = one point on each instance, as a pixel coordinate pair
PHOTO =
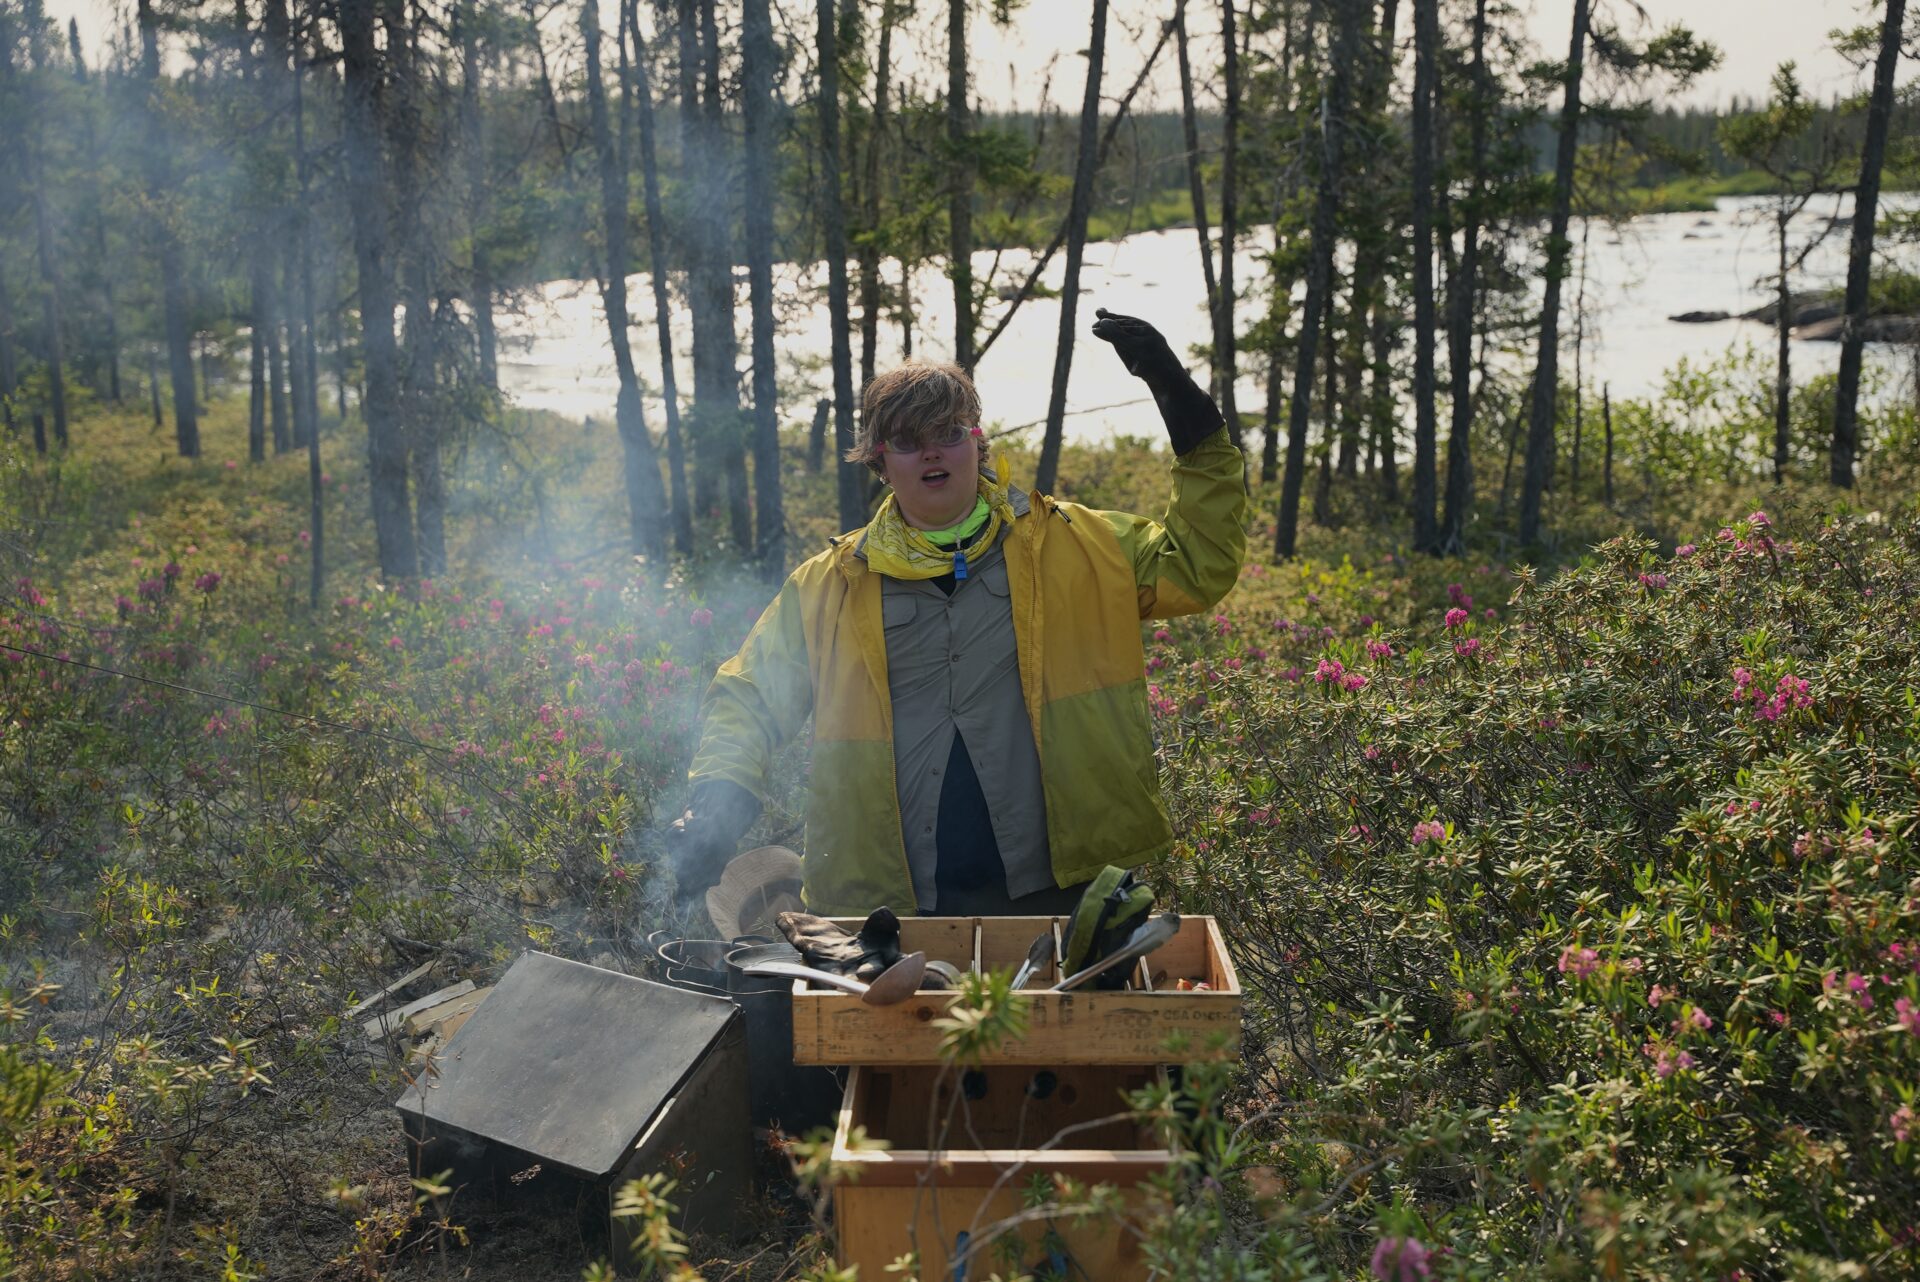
(1011, 65)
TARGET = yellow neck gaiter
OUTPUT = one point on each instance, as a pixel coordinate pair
(896, 549)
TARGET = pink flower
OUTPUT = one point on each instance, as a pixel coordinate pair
(1854, 983)
(1759, 520)
(701, 618)
(1653, 580)
(1456, 616)
(1666, 1060)
(1379, 650)
(1354, 681)
(1329, 670)
(1903, 1123)
(1161, 634)
(1372, 752)
(1657, 994)
(1400, 1259)
(1578, 962)
(208, 581)
(1907, 1015)
(1222, 624)
(395, 643)
(1429, 830)
(1685, 550)
(1696, 1019)
(1467, 649)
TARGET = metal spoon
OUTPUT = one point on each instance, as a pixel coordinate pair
(1150, 936)
(891, 986)
(1039, 952)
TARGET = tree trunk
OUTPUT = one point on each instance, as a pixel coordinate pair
(725, 355)
(282, 430)
(257, 368)
(1866, 207)
(1546, 379)
(97, 223)
(759, 57)
(9, 360)
(869, 253)
(1369, 271)
(299, 373)
(1426, 55)
(1270, 441)
(716, 406)
(55, 348)
(173, 283)
(646, 498)
(1462, 307)
(404, 106)
(1081, 205)
(1579, 365)
(960, 190)
(479, 195)
(642, 92)
(1380, 334)
(1782, 374)
(853, 507)
(1319, 274)
(1190, 134)
(307, 422)
(1606, 420)
(1225, 360)
(153, 390)
(1345, 410)
(1330, 425)
(366, 180)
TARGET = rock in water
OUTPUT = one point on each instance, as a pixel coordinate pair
(1699, 318)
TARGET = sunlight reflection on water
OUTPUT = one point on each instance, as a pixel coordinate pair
(555, 355)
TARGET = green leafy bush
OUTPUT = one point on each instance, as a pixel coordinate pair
(1588, 945)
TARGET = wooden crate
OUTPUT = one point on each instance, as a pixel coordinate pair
(914, 1197)
(1081, 1027)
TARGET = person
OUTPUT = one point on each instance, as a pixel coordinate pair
(973, 664)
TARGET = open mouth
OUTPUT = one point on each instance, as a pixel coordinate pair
(935, 478)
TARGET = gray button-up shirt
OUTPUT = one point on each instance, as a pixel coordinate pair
(953, 668)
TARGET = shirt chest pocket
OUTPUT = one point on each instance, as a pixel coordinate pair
(896, 611)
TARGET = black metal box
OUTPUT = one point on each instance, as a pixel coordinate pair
(569, 1075)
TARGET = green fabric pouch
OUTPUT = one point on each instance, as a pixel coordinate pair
(1112, 907)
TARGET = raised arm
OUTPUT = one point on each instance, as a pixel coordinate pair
(1190, 557)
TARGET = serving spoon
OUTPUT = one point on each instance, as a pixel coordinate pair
(889, 988)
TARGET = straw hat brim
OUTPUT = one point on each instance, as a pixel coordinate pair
(753, 888)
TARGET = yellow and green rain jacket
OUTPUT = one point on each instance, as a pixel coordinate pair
(1082, 580)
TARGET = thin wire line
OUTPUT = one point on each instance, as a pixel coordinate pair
(226, 698)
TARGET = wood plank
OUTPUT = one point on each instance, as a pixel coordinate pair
(1083, 1027)
(462, 1004)
(877, 1224)
(894, 1202)
(387, 1023)
(366, 1004)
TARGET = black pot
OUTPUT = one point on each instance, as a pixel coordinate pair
(781, 1094)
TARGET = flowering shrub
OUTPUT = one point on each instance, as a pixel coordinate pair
(1648, 1002)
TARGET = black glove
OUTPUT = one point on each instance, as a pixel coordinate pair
(1185, 407)
(708, 833)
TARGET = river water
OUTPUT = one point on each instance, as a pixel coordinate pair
(554, 354)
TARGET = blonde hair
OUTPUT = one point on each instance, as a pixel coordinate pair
(920, 400)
